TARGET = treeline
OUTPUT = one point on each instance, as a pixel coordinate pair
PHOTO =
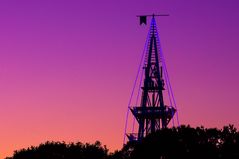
(61, 150)
(182, 142)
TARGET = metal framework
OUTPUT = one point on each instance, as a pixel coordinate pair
(151, 114)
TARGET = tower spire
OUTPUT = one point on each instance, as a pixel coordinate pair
(152, 113)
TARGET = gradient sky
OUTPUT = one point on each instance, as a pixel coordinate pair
(67, 67)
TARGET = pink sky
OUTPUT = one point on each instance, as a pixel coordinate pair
(67, 67)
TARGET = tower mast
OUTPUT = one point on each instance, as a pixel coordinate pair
(152, 114)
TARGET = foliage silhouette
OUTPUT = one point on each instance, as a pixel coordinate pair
(189, 143)
(61, 150)
(181, 142)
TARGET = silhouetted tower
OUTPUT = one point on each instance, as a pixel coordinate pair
(151, 114)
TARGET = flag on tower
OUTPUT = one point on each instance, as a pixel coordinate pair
(143, 20)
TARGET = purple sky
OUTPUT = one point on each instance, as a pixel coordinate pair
(67, 67)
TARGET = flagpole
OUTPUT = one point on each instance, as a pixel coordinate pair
(143, 18)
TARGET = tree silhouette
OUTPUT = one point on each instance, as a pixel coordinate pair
(230, 142)
(61, 150)
(181, 142)
(187, 142)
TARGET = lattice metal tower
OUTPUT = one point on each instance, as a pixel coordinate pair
(152, 113)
